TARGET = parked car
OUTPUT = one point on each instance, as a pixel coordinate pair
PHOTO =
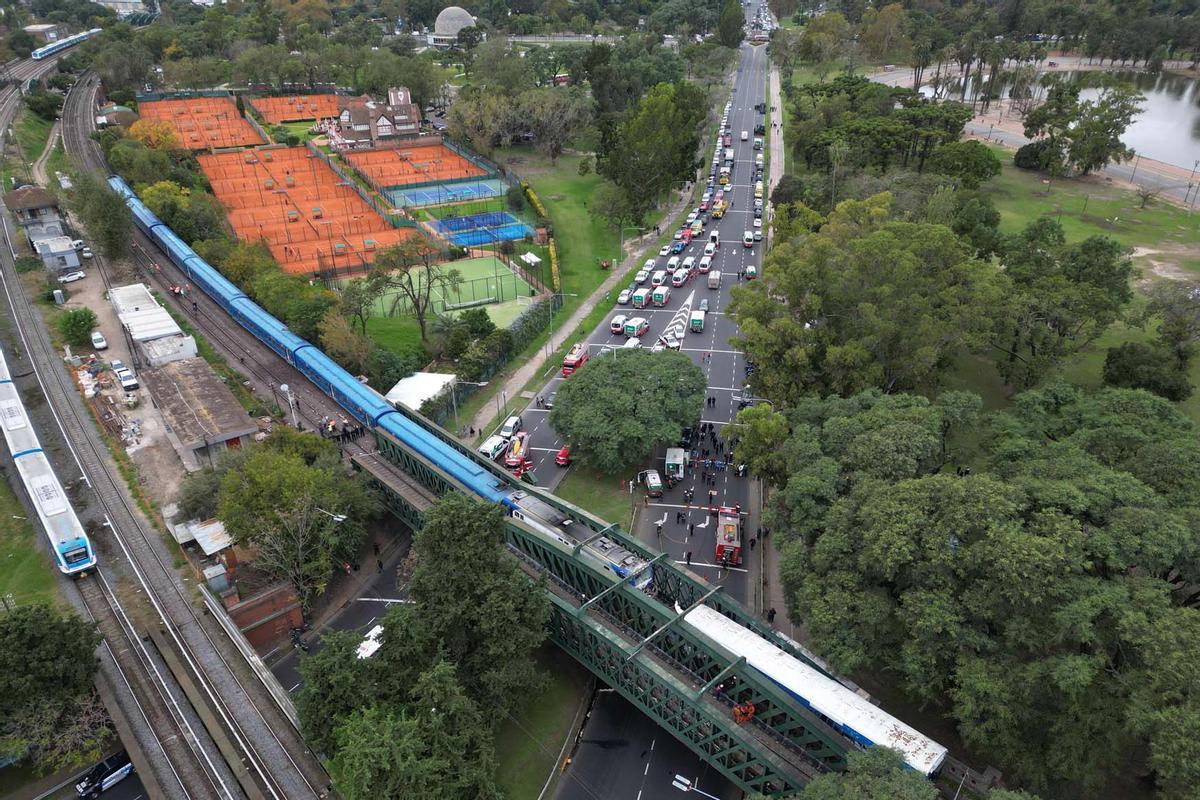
(548, 400)
(642, 276)
(623, 296)
(98, 341)
(678, 247)
(665, 250)
(563, 457)
(618, 324)
(510, 426)
(86, 252)
(704, 304)
(71, 277)
(105, 775)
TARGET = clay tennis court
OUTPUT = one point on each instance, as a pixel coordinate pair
(295, 108)
(292, 200)
(203, 122)
(402, 166)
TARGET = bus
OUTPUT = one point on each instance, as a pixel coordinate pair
(575, 359)
(729, 536)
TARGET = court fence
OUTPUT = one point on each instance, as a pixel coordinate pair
(395, 220)
(524, 330)
(502, 287)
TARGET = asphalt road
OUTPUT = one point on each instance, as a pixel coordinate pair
(622, 753)
(358, 615)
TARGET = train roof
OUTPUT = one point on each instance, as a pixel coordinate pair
(826, 696)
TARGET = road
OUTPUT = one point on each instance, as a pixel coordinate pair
(622, 753)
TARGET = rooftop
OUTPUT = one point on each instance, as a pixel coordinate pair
(53, 244)
(29, 197)
(451, 20)
(197, 406)
(414, 390)
(141, 314)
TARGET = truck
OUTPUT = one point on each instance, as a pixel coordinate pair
(719, 209)
(575, 359)
(697, 320)
(518, 451)
(661, 296)
(641, 298)
(729, 536)
(714, 279)
(676, 463)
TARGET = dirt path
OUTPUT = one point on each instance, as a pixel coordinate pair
(39, 166)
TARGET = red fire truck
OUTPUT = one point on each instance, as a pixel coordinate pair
(729, 536)
(575, 359)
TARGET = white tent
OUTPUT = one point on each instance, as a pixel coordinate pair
(417, 388)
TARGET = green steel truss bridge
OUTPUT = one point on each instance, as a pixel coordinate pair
(632, 640)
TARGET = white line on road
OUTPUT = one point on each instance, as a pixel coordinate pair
(294, 688)
(712, 566)
(382, 600)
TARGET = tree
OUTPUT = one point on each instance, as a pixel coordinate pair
(824, 317)
(104, 214)
(358, 299)
(1082, 135)
(344, 344)
(611, 426)
(286, 505)
(410, 268)
(22, 43)
(46, 105)
(555, 116)
(76, 326)
(335, 685)
(155, 134)
(731, 25)
(884, 32)
(1134, 365)
(1177, 307)
(48, 708)
(971, 162)
(475, 604)
(877, 773)
(824, 37)
(440, 747)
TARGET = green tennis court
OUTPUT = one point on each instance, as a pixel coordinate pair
(486, 282)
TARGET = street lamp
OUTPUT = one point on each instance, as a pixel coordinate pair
(550, 322)
(336, 517)
(291, 400)
(454, 396)
(684, 785)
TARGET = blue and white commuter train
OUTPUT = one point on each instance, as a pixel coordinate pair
(373, 410)
(857, 719)
(70, 544)
(62, 44)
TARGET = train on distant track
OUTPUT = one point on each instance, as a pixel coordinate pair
(373, 410)
(62, 44)
(69, 542)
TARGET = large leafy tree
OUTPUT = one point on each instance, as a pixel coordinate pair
(731, 24)
(1082, 135)
(617, 409)
(865, 302)
(48, 709)
(1047, 596)
(412, 267)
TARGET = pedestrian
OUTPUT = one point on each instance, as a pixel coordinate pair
(688, 557)
(646, 500)
(691, 528)
(379, 561)
(753, 542)
(771, 615)
(376, 546)
(658, 529)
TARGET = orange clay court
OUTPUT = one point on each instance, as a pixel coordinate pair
(294, 108)
(402, 166)
(309, 218)
(203, 122)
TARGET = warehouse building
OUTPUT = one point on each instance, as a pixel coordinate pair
(155, 335)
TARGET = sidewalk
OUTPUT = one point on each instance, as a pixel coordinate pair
(565, 330)
(774, 143)
(39, 166)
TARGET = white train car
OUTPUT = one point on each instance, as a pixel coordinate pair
(856, 718)
(72, 549)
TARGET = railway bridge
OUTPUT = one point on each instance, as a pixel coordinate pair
(632, 640)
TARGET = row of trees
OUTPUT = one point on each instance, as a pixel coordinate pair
(417, 719)
(1045, 598)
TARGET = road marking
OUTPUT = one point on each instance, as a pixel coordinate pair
(383, 600)
(544, 449)
(294, 688)
(712, 566)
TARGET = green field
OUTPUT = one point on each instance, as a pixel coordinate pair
(602, 495)
(527, 745)
(26, 575)
(32, 133)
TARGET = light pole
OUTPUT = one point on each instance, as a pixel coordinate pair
(454, 397)
(550, 322)
(337, 518)
(291, 398)
(684, 785)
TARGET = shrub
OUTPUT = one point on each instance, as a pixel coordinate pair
(1141, 366)
(1034, 156)
(516, 198)
(28, 263)
(76, 326)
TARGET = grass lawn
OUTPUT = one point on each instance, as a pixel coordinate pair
(32, 132)
(57, 162)
(527, 747)
(600, 494)
(300, 129)
(398, 334)
(25, 571)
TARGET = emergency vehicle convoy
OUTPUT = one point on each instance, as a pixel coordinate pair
(475, 475)
(69, 542)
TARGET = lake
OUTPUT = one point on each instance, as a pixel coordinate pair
(1167, 129)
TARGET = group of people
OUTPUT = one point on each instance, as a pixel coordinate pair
(343, 430)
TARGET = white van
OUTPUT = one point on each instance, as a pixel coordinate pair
(714, 237)
(714, 279)
(658, 278)
(493, 447)
(673, 263)
(510, 427)
(632, 343)
(680, 277)
(689, 263)
(745, 135)
(705, 264)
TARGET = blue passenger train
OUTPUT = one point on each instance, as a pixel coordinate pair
(62, 44)
(364, 403)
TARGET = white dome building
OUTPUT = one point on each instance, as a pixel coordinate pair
(447, 25)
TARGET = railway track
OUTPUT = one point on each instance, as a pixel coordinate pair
(269, 748)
